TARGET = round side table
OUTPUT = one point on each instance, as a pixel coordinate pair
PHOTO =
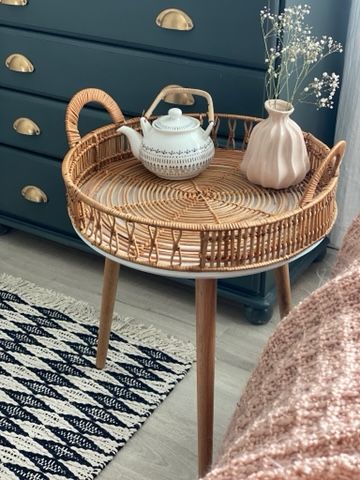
(205, 307)
(216, 225)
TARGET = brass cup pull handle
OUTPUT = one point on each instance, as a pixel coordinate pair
(181, 98)
(25, 126)
(19, 63)
(174, 19)
(34, 194)
(14, 3)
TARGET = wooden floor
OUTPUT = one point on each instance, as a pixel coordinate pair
(165, 447)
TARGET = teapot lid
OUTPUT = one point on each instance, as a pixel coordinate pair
(175, 121)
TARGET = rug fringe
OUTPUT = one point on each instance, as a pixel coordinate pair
(154, 338)
(86, 313)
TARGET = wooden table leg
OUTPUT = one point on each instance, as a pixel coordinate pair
(283, 289)
(205, 351)
(110, 281)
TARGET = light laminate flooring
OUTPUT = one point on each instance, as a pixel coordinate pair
(165, 447)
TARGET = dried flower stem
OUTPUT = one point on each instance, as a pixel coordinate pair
(292, 52)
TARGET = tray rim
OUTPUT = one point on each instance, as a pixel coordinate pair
(93, 136)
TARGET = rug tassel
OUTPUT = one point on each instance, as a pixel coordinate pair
(154, 337)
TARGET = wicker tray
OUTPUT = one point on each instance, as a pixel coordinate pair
(217, 221)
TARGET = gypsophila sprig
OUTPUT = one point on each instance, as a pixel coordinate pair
(292, 52)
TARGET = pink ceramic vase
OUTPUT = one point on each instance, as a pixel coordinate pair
(276, 156)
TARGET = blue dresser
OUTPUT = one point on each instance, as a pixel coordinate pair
(50, 49)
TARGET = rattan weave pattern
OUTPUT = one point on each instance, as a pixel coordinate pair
(217, 221)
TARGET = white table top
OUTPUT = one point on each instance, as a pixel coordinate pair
(193, 275)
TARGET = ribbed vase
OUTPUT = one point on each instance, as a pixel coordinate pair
(276, 155)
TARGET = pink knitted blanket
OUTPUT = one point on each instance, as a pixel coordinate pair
(299, 417)
(350, 248)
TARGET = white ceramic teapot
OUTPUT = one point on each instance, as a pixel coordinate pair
(174, 146)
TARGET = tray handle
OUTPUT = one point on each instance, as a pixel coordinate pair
(78, 101)
(332, 162)
(191, 91)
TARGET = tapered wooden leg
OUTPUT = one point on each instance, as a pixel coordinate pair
(111, 275)
(205, 351)
(283, 289)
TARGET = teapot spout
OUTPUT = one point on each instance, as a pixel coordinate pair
(134, 138)
(145, 126)
(208, 130)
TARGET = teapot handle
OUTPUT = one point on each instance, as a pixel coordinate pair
(192, 91)
(78, 101)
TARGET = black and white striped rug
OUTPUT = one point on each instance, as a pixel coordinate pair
(60, 418)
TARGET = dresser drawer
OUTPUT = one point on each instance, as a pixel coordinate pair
(21, 169)
(226, 32)
(47, 115)
(64, 66)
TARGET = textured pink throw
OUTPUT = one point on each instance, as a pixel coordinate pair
(299, 417)
(350, 249)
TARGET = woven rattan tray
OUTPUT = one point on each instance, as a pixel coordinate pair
(217, 221)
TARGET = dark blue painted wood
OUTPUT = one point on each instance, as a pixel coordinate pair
(69, 239)
(23, 168)
(64, 66)
(49, 115)
(223, 32)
